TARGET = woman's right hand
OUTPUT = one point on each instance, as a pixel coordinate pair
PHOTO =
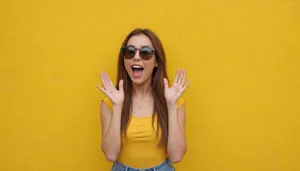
(116, 96)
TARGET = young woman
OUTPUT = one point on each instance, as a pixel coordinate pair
(143, 118)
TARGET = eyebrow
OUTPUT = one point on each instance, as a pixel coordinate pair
(141, 46)
(147, 46)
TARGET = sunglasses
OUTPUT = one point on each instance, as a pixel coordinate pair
(145, 52)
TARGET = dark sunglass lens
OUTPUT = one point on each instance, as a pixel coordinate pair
(129, 52)
(146, 53)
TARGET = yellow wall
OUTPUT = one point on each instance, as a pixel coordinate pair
(243, 105)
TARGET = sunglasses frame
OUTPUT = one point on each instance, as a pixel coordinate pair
(137, 49)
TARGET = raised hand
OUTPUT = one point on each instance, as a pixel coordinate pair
(116, 96)
(173, 93)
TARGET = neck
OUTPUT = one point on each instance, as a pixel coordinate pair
(142, 91)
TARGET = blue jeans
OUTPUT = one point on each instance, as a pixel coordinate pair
(164, 166)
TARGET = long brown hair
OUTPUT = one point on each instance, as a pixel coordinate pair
(159, 73)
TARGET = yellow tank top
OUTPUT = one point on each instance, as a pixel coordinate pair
(140, 148)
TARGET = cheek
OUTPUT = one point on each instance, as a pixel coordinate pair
(151, 63)
(150, 66)
(127, 65)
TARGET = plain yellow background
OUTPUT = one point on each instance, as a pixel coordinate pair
(243, 58)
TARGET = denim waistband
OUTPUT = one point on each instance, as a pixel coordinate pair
(119, 166)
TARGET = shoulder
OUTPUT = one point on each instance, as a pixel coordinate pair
(106, 101)
(180, 102)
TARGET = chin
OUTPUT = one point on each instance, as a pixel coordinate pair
(138, 81)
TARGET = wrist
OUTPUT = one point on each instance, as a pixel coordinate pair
(172, 107)
(117, 106)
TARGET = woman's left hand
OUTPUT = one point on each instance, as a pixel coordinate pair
(173, 93)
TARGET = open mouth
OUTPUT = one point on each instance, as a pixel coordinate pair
(137, 70)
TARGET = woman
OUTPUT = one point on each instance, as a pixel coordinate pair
(143, 119)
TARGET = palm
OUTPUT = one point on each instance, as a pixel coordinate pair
(173, 93)
(116, 96)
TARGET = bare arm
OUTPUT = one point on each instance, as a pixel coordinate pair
(177, 146)
(176, 139)
(111, 137)
(111, 120)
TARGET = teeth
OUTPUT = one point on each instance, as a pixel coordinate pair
(136, 66)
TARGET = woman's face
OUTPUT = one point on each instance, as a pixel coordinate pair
(139, 69)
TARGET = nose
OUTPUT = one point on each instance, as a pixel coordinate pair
(137, 56)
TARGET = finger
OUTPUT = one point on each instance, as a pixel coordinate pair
(102, 89)
(176, 77)
(103, 80)
(121, 83)
(106, 83)
(182, 77)
(166, 83)
(109, 80)
(187, 84)
(105, 92)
